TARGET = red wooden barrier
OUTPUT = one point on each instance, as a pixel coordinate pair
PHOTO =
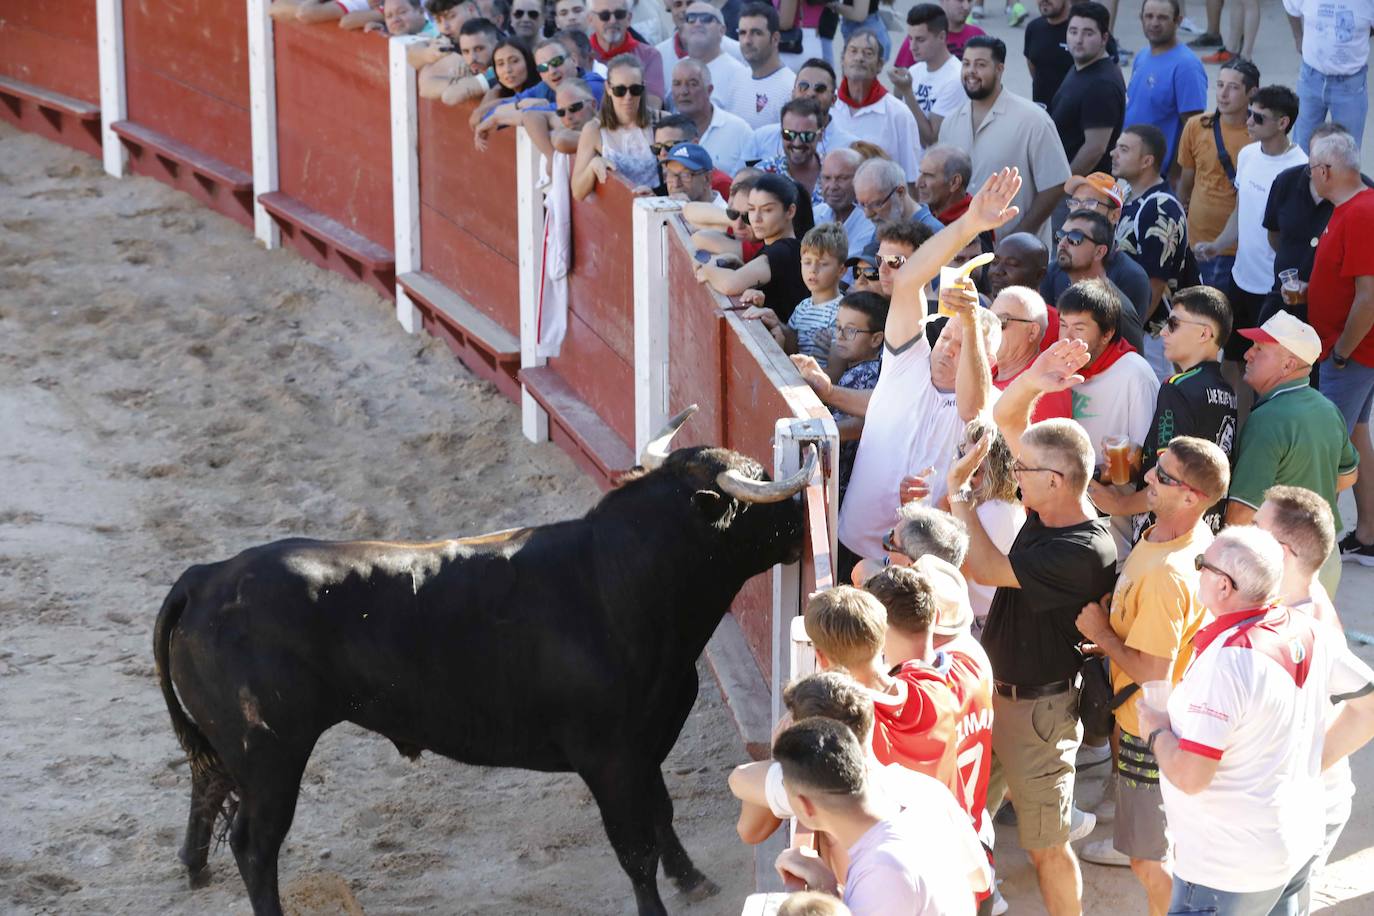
(468, 243)
(334, 151)
(588, 390)
(49, 70)
(186, 73)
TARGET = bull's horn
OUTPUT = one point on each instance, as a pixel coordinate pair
(748, 490)
(657, 448)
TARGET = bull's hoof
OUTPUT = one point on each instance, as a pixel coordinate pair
(198, 878)
(698, 888)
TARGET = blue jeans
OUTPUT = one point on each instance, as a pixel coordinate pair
(1217, 272)
(1351, 389)
(1345, 97)
(1291, 899)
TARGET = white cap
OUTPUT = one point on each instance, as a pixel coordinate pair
(953, 613)
(1288, 332)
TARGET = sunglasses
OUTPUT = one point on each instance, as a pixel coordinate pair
(890, 542)
(702, 18)
(819, 88)
(574, 108)
(607, 15)
(734, 215)
(893, 261)
(634, 89)
(1200, 563)
(1173, 322)
(553, 63)
(1256, 116)
(1074, 237)
(851, 333)
(1005, 320)
(525, 14)
(805, 136)
(658, 149)
(868, 273)
(1169, 480)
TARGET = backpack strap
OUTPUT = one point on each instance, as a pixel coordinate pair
(1223, 156)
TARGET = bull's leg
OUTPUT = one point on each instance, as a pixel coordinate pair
(624, 791)
(266, 809)
(677, 865)
(207, 796)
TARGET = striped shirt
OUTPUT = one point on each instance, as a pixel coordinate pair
(810, 318)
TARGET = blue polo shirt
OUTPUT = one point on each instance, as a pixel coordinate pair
(1163, 86)
(595, 82)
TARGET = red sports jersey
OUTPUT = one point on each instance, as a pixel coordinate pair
(916, 727)
(974, 732)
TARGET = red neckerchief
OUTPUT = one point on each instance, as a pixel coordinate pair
(875, 92)
(678, 49)
(955, 210)
(1205, 636)
(625, 47)
(1117, 349)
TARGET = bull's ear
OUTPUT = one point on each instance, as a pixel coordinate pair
(717, 509)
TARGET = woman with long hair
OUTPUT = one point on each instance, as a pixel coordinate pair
(515, 72)
(995, 503)
(620, 139)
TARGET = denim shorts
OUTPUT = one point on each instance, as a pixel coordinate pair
(1351, 389)
(1291, 899)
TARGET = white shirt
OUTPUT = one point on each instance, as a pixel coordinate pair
(1001, 520)
(906, 865)
(939, 92)
(889, 124)
(728, 139)
(768, 141)
(910, 425)
(858, 228)
(1335, 33)
(760, 101)
(667, 50)
(1254, 699)
(1118, 402)
(1255, 174)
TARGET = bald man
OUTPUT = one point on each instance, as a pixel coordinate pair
(837, 191)
(1022, 260)
(1025, 320)
(724, 135)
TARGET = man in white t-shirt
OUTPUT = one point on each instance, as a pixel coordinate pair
(1243, 740)
(759, 99)
(932, 87)
(726, 137)
(1333, 39)
(897, 862)
(673, 48)
(702, 37)
(1273, 109)
(924, 397)
(868, 111)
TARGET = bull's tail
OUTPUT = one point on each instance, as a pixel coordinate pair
(206, 766)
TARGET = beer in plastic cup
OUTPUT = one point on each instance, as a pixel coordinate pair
(1156, 694)
(1288, 286)
(1117, 450)
(958, 276)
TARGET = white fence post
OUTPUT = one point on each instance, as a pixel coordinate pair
(262, 94)
(651, 229)
(529, 207)
(405, 176)
(114, 104)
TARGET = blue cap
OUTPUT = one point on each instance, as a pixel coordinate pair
(691, 155)
(869, 255)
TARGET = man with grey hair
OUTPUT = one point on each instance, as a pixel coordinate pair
(1340, 306)
(676, 46)
(880, 190)
(1243, 738)
(868, 111)
(942, 184)
(724, 135)
(836, 184)
(921, 530)
(1025, 321)
(702, 36)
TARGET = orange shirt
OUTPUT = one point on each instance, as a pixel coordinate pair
(1214, 196)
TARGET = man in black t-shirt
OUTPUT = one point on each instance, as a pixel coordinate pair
(1091, 102)
(1047, 50)
(1063, 558)
(1196, 402)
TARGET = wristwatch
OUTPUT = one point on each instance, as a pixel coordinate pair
(962, 495)
(1337, 360)
(1150, 741)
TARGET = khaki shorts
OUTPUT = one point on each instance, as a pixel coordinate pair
(1138, 830)
(1035, 742)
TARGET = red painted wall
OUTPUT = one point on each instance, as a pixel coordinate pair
(51, 44)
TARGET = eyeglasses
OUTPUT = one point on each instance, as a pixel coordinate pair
(1173, 322)
(574, 108)
(818, 88)
(634, 89)
(890, 542)
(893, 261)
(606, 15)
(1004, 320)
(868, 273)
(1200, 563)
(702, 18)
(804, 136)
(1075, 237)
(1169, 480)
(847, 333)
(1317, 165)
(1088, 203)
(553, 63)
(525, 14)
(734, 215)
(870, 209)
(1017, 467)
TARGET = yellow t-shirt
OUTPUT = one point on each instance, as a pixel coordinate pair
(1214, 196)
(1155, 608)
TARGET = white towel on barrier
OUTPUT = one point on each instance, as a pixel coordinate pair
(553, 287)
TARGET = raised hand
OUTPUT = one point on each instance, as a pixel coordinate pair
(959, 299)
(1056, 369)
(964, 467)
(991, 206)
(901, 81)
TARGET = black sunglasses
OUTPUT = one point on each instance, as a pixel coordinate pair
(701, 18)
(525, 14)
(606, 15)
(1200, 563)
(1256, 116)
(574, 108)
(634, 89)
(804, 86)
(1174, 322)
(1074, 237)
(553, 63)
(1169, 480)
(805, 136)
(658, 149)
(732, 214)
(890, 542)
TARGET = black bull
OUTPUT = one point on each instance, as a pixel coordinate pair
(565, 647)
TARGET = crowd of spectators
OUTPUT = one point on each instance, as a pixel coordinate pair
(1120, 442)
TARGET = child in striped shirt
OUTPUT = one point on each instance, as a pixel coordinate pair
(823, 253)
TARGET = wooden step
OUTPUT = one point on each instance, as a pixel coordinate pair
(323, 230)
(52, 101)
(478, 340)
(576, 426)
(204, 166)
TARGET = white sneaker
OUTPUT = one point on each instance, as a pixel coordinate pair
(1102, 852)
(1090, 756)
(999, 903)
(1082, 824)
(1189, 26)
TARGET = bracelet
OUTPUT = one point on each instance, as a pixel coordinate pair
(1150, 741)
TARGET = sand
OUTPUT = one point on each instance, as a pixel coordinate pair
(170, 393)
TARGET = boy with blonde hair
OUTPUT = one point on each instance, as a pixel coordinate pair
(810, 328)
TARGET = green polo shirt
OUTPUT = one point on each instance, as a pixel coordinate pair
(1294, 436)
